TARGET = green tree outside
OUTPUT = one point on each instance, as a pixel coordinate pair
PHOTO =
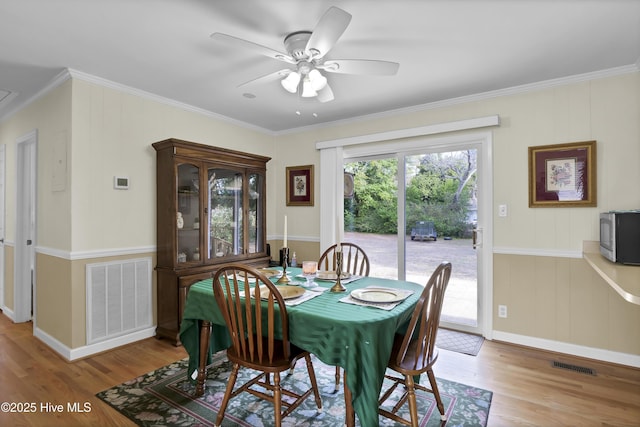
(440, 187)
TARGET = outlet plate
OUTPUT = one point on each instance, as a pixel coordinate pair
(502, 311)
(502, 210)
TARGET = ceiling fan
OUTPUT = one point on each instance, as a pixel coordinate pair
(305, 54)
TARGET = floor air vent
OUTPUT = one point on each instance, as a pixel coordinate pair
(575, 368)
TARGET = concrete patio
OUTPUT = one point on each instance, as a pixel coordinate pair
(422, 257)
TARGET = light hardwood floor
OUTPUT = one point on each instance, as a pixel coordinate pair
(528, 391)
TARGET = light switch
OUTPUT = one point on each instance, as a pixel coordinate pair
(502, 210)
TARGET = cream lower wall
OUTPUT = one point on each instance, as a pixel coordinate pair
(55, 298)
(61, 296)
(305, 251)
(563, 300)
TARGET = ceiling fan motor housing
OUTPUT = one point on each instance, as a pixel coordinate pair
(296, 44)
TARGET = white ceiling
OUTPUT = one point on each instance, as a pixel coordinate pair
(446, 50)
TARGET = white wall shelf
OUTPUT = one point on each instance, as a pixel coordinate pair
(624, 279)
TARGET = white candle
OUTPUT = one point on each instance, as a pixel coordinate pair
(339, 247)
(285, 232)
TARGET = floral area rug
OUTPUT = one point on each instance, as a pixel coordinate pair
(164, 398)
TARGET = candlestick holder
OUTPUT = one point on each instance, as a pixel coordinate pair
(285, 260)
(338, 287)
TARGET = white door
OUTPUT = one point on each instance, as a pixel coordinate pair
(24, 290)
(2, 219)
(442, 195)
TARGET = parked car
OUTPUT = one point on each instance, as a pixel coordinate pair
(424, 230)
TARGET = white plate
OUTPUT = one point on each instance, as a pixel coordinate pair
(331, 275)
(378, 295)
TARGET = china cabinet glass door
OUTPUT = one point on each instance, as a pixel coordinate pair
(188, 221)
(225, 212)
(256, 211)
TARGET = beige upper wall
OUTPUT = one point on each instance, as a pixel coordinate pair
(50, 116)
(112, 135)
(112, 132)
(606, 110)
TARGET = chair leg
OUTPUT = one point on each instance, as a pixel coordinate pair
(277, 399)
(337, 379)
(227, 394)
(413, 406)
(436, 394)
(314, 383)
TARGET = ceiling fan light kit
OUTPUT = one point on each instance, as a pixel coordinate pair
(290, 83)
(318, 81)
(307, 89)
(306, 51)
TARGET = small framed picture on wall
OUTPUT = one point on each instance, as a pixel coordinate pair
(300, 185)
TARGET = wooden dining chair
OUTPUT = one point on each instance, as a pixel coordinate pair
(354, 261)
(253, 314)
(415, 352)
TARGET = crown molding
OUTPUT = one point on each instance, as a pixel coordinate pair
(69, 73)
(531, 87)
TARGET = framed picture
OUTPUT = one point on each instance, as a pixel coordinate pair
(300, 185)
(563, 175)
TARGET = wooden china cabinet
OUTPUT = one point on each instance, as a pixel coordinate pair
(211, 212)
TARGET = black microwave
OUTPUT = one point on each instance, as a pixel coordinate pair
(620, 236)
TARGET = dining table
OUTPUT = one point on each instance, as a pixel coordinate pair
(356, 336)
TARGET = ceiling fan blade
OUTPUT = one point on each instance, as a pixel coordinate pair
(328, 31)
(325, 94)
(361, 66)
(245, 44)
(277, 75)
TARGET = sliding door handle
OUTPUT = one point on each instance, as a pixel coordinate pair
(474, 238)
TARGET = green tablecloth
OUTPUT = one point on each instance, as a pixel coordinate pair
(357, 338)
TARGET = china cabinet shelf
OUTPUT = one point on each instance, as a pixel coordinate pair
(624, 279)
(210, 212)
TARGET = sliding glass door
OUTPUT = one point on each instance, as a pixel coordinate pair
(441, 214)
(432, 216)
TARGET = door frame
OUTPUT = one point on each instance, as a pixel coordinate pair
(334, 152)
(3, 168)
(26, 198)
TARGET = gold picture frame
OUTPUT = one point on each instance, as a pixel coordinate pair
(299, 185)
(563, 175)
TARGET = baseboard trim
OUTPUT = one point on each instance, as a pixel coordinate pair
(626, 359)
(71, 354)
(8, 313)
